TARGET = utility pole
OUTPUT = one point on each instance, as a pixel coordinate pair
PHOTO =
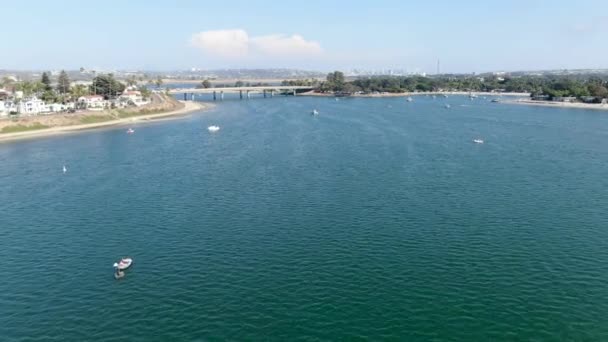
(438, 67)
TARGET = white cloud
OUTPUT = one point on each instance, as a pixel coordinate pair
(283, 45)
(223, 43)
(237, 44)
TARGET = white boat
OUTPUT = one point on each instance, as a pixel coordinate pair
(445, 95)
(447, 106)
(315, 112)
(478, 141)
(213, 128)
(410, 99)
(130, 131)
(65, 169)
(123, 264)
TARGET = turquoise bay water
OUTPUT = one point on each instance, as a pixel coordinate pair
(378, 219)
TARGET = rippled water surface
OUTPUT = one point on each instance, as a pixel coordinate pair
(377, 219)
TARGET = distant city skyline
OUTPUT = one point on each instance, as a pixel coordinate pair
(458, 37)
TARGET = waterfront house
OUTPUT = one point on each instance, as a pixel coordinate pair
(564, 99)
(589, 99)
(540, 97)
(30, 106)
(58, 107)
(132, 97)
(92, 102)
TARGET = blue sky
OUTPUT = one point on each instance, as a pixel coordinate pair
(466, 36)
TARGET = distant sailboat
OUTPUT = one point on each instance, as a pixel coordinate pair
(447, 106)
(130, 131)
(315, 112)
(410, 99)
(65, 169)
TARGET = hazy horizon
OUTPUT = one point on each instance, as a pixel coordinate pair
(466, 36)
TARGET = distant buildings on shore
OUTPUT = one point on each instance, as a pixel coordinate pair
(18, 104)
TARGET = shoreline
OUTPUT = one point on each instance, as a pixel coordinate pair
(566, 105)
(189, 106)
(428, 93)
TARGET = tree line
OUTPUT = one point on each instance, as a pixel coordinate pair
(552, 86)
(102, 84)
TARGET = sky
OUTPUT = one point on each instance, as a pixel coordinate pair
(466, 36)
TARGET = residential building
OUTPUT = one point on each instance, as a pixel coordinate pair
(92, 102)
(30, 106)
(132, 97)
(564, 99)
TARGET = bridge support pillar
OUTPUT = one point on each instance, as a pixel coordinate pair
(241, 94)
(248, 95)
(264, 93)
(221, 95)
(294, 92)
(271, 93)
(214, 97)
(185, 96)
(192, 97)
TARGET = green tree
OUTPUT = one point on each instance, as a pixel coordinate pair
(63, 82)
(206, 84)
(107, 85)
(46, 80)
(159, 81)
(239, 84)
(145, 92)
(78, 91)
(131, 81)
(27, 87)
(598, 90)
(49, 96)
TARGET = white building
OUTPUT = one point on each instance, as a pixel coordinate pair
(92, 102)
(58, 107)
(31, 106)
(133, 97)
(3, 109)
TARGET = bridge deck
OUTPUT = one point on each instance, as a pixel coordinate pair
(237, 89)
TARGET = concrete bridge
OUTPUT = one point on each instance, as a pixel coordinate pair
(247, 91)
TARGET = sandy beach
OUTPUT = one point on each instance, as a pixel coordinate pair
(188, 107)
(596, 106)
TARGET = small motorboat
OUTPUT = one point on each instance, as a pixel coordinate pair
(315, 112)
(447, 106)
(445, 95)
(478, 141)
(213, 128)
(123, 264)
(410, 99)
(495, 100)
(130, 131)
